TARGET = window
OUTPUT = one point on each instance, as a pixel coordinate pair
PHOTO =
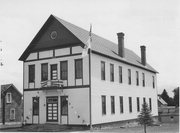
(150, 104)
(112, 105)
(54, 75)
(44, 72)
(129, 76)
(143, 79)
(64, 70)
(31, 73)
(8, 97)
(138, 105)
(130, 104)
(103, 105)
(78, 69)
(112, 72)
(153, 82)
(120, 74)
(121, 104)
(102, 70)
(144, 99)
(64, 105)
(35, 105)
(12, 114)
(137, 78)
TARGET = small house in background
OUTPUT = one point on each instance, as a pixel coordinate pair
(11, 108)
(167, 114)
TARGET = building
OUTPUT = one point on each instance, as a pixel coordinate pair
(61, 86)
(11, 105)
(161, 102)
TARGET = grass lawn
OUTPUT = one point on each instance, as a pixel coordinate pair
(164, 128)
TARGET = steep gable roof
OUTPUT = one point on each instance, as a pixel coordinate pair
(99, 45)
(5, 87)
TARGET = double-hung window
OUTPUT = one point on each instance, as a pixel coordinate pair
(129, 76)
(121, 104)
(143, 79)
(137, 78)
(103, 98)
(44, 72)
(153, 82)
(150, 104)
(112, 105)
(31, 73)
(8, 97)
(111, 72)
(120, 74)
(138, 105)
(130, 104)
(12, 114)
(78, 69)
(103, 70)
(63, 70)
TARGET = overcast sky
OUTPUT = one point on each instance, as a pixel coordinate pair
(154, 23)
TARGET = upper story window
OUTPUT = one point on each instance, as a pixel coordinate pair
(143, 79)
(8, 97)
(31, 73)
(112, 72)
(63, 70)
(78, 69)
(112, 105)
(120, 74)
(153, 82)
(44, 72)
(137, 78)
(102, 70)
(54, 75)
(103, 105)
(129, 76)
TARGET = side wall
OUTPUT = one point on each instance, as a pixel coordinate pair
(116, 89)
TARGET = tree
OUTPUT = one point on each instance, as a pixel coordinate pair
(167, 99)
(176, 96)
(145, 116)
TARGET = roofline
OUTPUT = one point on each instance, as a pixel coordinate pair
(15, 88)
(110, 57)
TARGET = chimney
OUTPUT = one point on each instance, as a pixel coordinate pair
(120, 44)
(143, 55)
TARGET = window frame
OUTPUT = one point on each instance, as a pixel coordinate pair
(42, 78)
(138, 104)
(81, 70)
(150, 104)
(62, 77)
(120, 75)
(52, 72)
(130, 104)
(103, 102)
(103, 72)
(14, 115)
(30, 75)
(112, 105)
(137, 78)
(153, 81)
(111, 72)
(33, 106)
(121, 104)
(129, 76)
(143, 80)
(9, 99)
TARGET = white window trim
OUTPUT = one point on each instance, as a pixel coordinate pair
(12, 117)
(7, 99)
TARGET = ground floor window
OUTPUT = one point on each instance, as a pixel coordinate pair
(112, 105)
(64, 105)
(35, 105)
(103, 105)
(12, 114)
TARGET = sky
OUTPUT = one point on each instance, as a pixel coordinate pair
(153, 23)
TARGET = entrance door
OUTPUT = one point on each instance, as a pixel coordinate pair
(64, 109)
(52, 109)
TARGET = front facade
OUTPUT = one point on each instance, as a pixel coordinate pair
(11, 110)
(61, 86)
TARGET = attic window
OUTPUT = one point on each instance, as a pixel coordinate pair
(53, 35)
